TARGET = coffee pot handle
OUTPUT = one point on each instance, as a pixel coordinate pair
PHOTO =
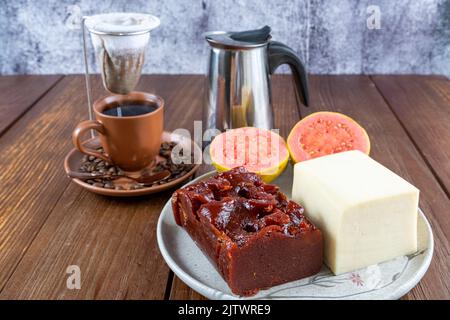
(279, 54)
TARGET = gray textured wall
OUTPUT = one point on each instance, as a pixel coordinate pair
(330, 36)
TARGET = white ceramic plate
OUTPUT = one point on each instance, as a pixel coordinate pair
(387, 280)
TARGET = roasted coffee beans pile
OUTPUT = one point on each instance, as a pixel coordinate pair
(96, 165)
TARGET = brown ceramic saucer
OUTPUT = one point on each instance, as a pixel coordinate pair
(74, 158)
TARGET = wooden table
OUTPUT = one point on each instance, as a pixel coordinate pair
(48, 223)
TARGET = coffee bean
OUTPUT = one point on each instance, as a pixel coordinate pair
(98, 185)
(91, 158)
(165, 153)
(109, 185)
(157, 169)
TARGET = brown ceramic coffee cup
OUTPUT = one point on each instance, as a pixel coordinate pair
(130, 142)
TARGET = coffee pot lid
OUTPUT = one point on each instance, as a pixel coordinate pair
(239, 40)
(121, 23)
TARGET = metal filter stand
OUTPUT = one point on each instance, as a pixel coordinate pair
(86, 73)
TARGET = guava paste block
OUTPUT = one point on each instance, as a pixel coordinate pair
(250, 231)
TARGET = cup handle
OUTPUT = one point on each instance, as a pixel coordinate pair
(78, 132)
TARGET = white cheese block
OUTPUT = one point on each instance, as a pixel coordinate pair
(367, 213)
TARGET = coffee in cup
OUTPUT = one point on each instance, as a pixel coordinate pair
(130, 128)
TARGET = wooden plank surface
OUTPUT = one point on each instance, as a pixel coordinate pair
(47, 223)
(19, 93)
(113, 241)
(422, 104)
(31, 175)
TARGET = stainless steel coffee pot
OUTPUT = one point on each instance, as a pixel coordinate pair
(238, 91)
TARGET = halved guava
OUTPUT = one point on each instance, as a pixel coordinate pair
(324, 133)
(260, 151)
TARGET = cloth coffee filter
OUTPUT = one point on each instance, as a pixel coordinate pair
(120, 41)
(121, 22)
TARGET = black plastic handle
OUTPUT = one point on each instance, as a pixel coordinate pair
(279, 54)
(252, 36)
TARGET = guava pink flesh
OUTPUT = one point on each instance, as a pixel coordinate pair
(326, 134)
(254, 148)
